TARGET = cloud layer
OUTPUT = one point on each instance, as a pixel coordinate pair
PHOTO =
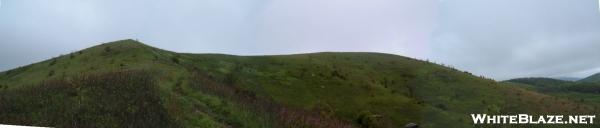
(34, 30)
(504, 39)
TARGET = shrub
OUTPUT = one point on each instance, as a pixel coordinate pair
(366, 120)
(442, 107)
(175, 59)
(51, 73)
(336, 73)
(107, 49)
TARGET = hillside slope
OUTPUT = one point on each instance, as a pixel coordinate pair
(592, 79)
(582, 92)
(541, 82)
(96, 87)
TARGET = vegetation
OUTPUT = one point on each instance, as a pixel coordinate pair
(541, 82)
(591, 79)
(117, 99)
(129, 84)
(581, 91)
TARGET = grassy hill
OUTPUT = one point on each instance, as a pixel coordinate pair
(541, 82)
(582, 92)
(592, 79)
(129, 84)
(568, 78)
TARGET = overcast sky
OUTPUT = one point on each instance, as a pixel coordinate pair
(500, 39)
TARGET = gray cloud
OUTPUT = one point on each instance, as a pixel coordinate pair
(392, 26)
(34, 30)
(504, 39)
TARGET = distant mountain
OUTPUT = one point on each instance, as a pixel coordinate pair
(129, 84)
(584, 92)
(568, 78)
(593, 78)
(540, 81)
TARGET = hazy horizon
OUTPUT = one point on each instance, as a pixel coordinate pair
(501, 39)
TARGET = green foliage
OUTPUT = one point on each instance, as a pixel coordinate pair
(547, 85)
(17, 70)
(51, 73)
(107, 49)
(541, 82)
(582, 92)
(367, 120)
(584, 88)
(175, 59)
(118, 99)
(53, 61)
(591, 79)
(400, 90)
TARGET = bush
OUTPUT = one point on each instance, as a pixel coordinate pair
(366, 120)
(107, 49)
(175, 59)
(51, 73)
(442, 107)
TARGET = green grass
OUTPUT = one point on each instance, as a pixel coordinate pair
(118, 99)
(592, 79)
(580, 91)
(301, 90)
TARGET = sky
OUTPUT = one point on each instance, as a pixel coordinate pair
(500, 39)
